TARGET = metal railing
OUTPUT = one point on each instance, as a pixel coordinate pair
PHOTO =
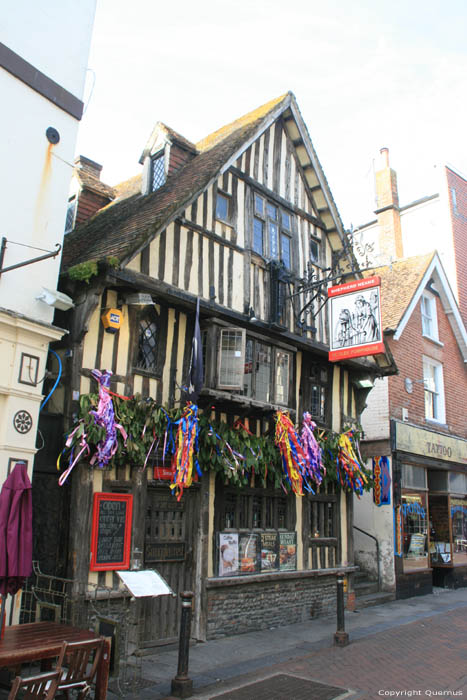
(364, 532)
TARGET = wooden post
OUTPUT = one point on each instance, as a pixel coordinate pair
(182, 686)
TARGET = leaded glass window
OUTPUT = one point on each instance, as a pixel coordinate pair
(157, 173)
(147, 345)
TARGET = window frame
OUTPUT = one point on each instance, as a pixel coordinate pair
(147, 313)
(429, 316)
(437, 395)
(72, 208)
(228, 199)
(273, 369)
(267, 220)
(156, 158)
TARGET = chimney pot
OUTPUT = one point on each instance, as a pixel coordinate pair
(385, 155)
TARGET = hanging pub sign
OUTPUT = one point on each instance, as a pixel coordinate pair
(355, 318)
(111, 531)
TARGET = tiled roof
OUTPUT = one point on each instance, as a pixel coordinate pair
(399, 283)
(123, 228)
(94, 184)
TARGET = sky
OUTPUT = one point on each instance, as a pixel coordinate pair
(366, 74)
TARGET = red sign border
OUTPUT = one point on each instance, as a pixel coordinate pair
(361, 350)
(125, 563)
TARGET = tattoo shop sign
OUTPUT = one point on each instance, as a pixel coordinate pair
(355, 318)
(427, 443)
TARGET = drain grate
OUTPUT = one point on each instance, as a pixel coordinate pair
(283, 687)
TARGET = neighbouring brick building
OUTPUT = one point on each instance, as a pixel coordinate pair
(415, 425)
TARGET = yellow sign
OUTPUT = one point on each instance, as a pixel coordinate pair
(427, 443)
(112, 320)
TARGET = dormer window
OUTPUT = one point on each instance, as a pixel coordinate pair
(157, 172)
(70, 215)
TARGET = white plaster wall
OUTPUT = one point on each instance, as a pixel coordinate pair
(378, 521)
(34, 174)
(54, 36)
(375, 417)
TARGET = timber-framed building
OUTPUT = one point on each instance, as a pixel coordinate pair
(237, 221)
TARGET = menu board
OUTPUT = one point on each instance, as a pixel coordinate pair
(248, 548)
(111, 531)
(269, 551)
(288, 551)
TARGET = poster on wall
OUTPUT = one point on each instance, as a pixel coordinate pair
(269, 551)
(248, 547)
(228, 553)
(355, 319)
(288, 551)
(381, 481)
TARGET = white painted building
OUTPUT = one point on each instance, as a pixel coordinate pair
(43, 63)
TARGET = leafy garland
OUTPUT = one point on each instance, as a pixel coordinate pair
(232, 451)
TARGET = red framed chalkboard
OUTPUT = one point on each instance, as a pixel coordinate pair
(111, 531)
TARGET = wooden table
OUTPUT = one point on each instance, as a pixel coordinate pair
(40, 641)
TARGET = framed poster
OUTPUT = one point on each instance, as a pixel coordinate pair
(288, 551)
(269, 551)
(228, 553)
(111, 531)
(355, 319)
(248, 552)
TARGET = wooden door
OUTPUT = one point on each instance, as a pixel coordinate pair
(170, 542)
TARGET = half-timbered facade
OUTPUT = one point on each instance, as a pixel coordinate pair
(240, 221)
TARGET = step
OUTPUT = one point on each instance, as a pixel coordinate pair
(371, 599)
(365, 587)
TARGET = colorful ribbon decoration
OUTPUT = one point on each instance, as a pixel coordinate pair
(349, 469)
(104, 416)
(186, 448)
(311, 449)
(293, 458)
(80, 433)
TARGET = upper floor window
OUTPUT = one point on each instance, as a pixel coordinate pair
(315, 250)
(434, 390)
(429, 319)
(70, 215)
(157, 172)
(256, 369)
(272, 231)
(146, 357)
(222, 207)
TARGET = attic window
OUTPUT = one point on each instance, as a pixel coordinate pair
(157, 172)
(70, 215)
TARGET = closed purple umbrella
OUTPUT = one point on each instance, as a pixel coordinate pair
(15, 531)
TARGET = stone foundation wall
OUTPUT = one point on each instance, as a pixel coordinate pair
(268, 603)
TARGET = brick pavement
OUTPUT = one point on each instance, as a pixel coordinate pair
(411, 660)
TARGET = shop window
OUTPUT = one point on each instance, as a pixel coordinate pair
(413, 477)
(259, 370)
(415, 531)
(434, 390)
(255, 532)
(429, 319)
(459, 529)
(458, 482)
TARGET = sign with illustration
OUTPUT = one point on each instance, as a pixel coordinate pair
(269, 551)
(228, 553)
(355, 318)
(382, 481)
(248, 548)
(288, 551)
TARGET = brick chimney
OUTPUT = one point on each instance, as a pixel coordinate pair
(92, 194)
(387, 211)
(89, 166)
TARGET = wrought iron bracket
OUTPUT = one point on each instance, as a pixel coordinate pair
(48, 254)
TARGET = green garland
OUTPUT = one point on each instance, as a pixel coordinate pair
(231, 451)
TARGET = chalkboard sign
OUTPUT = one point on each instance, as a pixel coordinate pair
(111, 531)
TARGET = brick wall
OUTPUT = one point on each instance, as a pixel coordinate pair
(178, 158)
(408, 352)
(88, 203)
(260, 605)
(457, 195)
